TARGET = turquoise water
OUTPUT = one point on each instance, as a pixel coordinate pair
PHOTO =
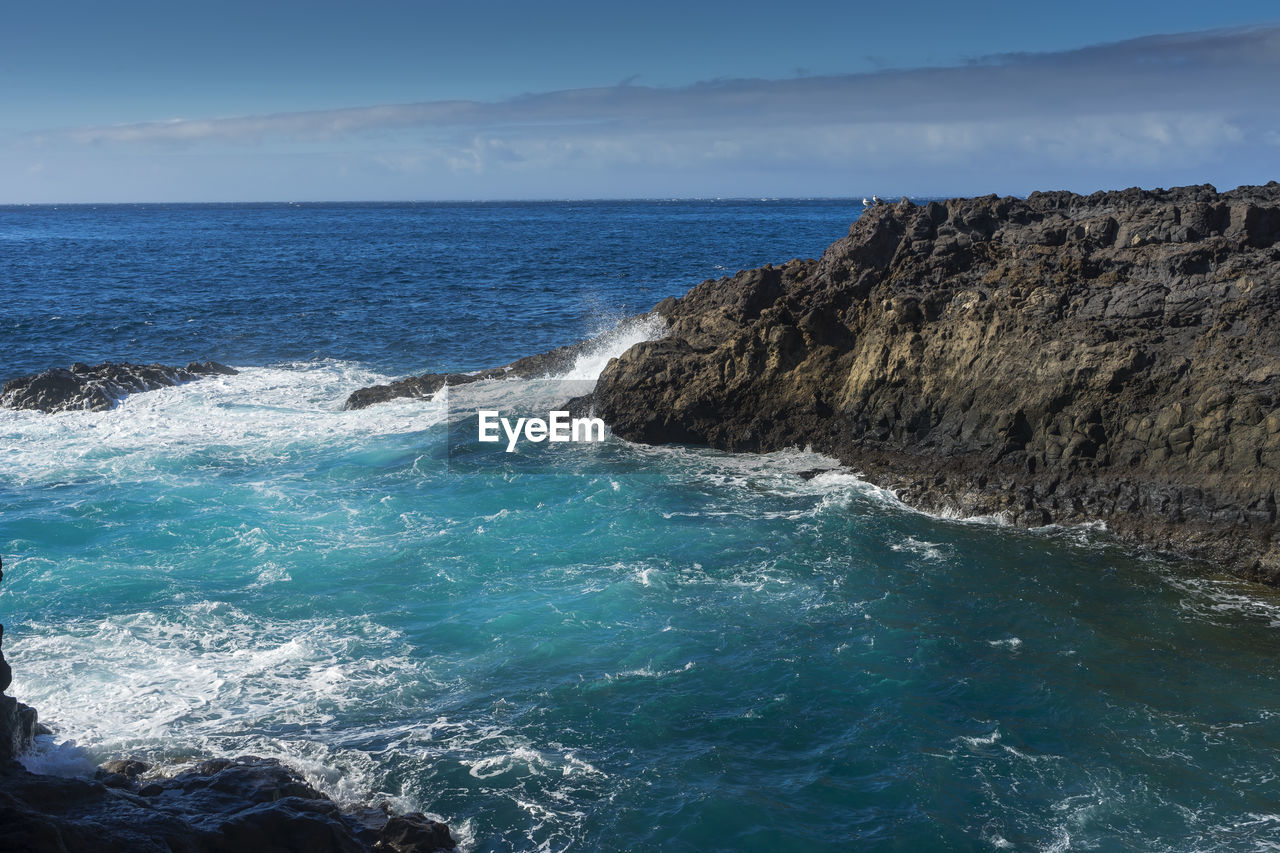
(576, 647)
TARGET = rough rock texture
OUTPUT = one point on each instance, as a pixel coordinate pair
(219, 806)
(424, 386)
(100, 387)
(18, 722)
(18, 727)
(1054, 359)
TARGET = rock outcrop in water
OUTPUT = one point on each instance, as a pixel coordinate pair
(218, 806)
(1062, 358)
(99, 387)
(426, 385)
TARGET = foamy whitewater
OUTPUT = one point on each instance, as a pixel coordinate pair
(570, 647)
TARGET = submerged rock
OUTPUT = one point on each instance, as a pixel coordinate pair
(100, 387)
(1062, 358)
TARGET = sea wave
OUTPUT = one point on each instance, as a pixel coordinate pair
(609, 343)
(259, 414)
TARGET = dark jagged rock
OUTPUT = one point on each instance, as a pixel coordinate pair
(99, 387)
(18, 727)
(18, 723)
(1114, 357)
(218, 806)
(421, 387)
(426, 385)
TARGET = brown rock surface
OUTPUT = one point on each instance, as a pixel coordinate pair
(1062, 358)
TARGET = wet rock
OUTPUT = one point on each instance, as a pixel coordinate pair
(128, 767)
(413, 833)
(419, 387)
(222, 806)
(427, 385)
(101, 387)
(1057, 358)
(18, 723)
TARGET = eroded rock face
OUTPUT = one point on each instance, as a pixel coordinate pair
(1056, 359)
(100, 387)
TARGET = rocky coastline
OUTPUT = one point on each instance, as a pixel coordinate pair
(1054, 359)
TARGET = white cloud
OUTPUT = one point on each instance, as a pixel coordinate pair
(1152, 109)
(1234, 70)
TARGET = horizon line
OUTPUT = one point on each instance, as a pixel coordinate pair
(893, 199)
(584, 200)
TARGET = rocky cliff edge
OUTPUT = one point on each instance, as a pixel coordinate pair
(1060, 358)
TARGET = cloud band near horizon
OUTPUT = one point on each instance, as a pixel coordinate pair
(1192, 103)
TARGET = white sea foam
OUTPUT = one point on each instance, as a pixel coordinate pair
(950, 513)
(261, 413)
(985, 740)
(52, 757)
(650, 672)
(522, 761)
(553, 391)
(209, 677)
(1218, 597)
(202, 668)
(786, 472)
(927, 550)
(612, 343)
(1061, 841)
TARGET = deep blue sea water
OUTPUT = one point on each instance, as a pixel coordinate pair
(571, 647)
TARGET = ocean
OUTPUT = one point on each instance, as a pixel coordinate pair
(571, 647)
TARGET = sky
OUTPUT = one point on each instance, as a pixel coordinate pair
(543, 99)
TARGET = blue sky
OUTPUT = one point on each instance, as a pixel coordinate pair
(194, 101)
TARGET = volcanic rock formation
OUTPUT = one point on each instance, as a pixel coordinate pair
(99, 387)
(1062, 358)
